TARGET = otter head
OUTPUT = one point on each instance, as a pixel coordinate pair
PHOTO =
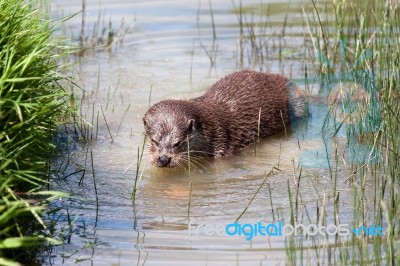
(170, 130)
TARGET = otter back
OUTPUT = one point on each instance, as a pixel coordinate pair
(232, 114)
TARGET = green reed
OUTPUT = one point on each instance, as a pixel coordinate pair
(357, 42)
(100, 34)
(139, 170)
(31, 103)
(255, 44)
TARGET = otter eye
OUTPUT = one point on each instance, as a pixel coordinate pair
(176, 144)
(154, 142)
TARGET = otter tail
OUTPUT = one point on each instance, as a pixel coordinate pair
(298, 101)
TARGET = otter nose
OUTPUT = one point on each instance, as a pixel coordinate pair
(164, 160)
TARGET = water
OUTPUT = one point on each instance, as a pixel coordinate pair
(166, 54)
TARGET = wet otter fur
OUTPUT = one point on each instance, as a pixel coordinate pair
(237, 110)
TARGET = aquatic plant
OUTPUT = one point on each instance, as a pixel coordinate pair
(351, 45)
(356, 42)
(31, 101)
(100, 34)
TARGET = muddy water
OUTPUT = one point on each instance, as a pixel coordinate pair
(177, 216)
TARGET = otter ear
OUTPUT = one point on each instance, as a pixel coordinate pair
(190, 127)
(145, 123)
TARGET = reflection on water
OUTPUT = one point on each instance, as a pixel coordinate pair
(168, 53)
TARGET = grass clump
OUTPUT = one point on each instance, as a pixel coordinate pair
(31, 100)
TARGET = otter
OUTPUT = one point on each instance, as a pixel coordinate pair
(236, 111)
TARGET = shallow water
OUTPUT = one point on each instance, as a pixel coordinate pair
(165, 54)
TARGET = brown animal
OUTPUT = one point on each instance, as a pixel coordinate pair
(232, 114)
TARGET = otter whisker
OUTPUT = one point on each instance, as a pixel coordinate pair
(194, 152)
(135, 163)
(196, 162)
(188, 163)
(144, 168)
(129, 167)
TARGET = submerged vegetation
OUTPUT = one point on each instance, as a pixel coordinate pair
(31, 103)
